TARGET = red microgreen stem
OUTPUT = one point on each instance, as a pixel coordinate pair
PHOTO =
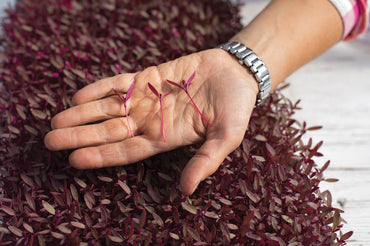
(162, 124)
(185, 87)
(160, 97)
(128, 122)
(124, 101)
(196, 107)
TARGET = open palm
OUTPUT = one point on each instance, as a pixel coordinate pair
(98, 129)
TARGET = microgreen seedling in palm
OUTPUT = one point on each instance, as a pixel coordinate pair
(185, 87)
(124, 100)
(160, 97)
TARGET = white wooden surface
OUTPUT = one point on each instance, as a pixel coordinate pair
(4, 4)
(335, 93)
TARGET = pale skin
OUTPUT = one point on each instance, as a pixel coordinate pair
(286, 35)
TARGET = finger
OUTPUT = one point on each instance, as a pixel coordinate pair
(109, 131)
(207, 160)
(103, 88)
(89, 112)
(115, 154)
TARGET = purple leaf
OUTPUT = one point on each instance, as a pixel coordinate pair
(346, 236)
(8, 210)
(118, 68)
(116, 239)
(48, 207)
(15, 230)
(154, 90)
(189, 80)
(174, 84)
(124, 187)
(128, 94)
(154, 194)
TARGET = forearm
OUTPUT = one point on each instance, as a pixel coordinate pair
(290, 33)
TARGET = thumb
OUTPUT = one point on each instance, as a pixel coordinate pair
(208, 158)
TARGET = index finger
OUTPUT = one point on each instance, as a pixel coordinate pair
(103, 88)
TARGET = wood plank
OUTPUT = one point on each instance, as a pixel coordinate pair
(353, 185)
(357, 215)
(352, 195)
(334, 90)
(4, 4)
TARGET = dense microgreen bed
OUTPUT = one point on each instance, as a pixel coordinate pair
(265, 193)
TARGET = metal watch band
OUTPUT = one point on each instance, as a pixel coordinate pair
(247, 57)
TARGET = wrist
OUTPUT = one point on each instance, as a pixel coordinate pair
(253, 63)
(228, 64)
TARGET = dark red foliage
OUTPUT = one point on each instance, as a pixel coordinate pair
(265, 193)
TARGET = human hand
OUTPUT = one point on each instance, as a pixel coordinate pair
(223, 90)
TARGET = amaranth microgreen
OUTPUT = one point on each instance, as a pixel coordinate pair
(185, 87)
(35, 86)
(160, 97)
(124, 99)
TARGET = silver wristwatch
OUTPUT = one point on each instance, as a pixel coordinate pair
(247, 57)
